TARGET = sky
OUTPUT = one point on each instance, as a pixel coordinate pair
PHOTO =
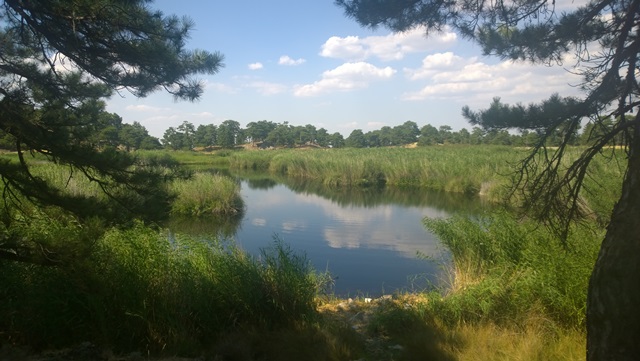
(304, 62)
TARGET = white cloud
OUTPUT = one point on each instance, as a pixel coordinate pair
(286, 60)
(346, 77)
(433, 64)
(390, 47)
(473, 82)
(266, 88)
(255, 66)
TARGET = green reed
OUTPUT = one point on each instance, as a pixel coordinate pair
(486, 171)
(505, 269)
(206, 193)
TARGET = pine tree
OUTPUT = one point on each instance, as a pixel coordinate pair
(59, 60)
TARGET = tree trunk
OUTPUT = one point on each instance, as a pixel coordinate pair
(613, 301)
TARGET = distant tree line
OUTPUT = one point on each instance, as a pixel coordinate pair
(270, 134)
(261, 133)
(110, 131)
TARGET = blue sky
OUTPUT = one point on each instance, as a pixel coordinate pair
(304, 62)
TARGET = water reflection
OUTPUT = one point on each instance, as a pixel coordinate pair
(371, 240)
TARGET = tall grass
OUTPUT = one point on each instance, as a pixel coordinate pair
(469, 170)
(505, 270)
(143, 290)
(206, 193)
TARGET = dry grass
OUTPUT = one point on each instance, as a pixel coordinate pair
(489, 342)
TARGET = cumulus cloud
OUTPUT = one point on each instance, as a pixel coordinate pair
(434, 63)
(449, 76)
(346, 77)
(389, 47)
(286, 60)
(255, 66)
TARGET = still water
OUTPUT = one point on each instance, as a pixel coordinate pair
(371, 241)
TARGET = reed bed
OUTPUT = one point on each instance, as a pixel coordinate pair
(461, 169)
(505, 270)
(206, 194)
(514, 291)
(486, 171)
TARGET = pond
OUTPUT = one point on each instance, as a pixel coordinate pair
(372, 241)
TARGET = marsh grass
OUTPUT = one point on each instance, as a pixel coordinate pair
(515, 292)
(505, 269)
(206, 193)
(143, 290)
(486, 171)
(452, 169)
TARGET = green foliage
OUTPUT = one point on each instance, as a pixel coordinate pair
(506, 269)
(143, 289)
(206, 193)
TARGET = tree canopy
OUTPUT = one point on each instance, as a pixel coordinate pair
(59, 60)
(602, 38)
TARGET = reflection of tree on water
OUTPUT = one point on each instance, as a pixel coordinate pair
(257, 180)
(261, 183)
(208, 227)
(375, 196)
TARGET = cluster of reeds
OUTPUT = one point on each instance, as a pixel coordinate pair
(505, 269)
(472, 170)
(206, 193)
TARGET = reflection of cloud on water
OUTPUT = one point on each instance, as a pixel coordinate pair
(384, 227)
(381, 227)
(295, 225)
(379, 237)
(259, 222)
(337, 240)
